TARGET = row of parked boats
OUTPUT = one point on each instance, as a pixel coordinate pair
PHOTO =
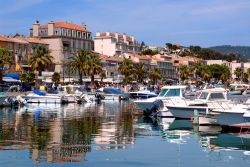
(210, 107)
(65, 94)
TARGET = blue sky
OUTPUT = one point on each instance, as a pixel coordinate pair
(188, 22)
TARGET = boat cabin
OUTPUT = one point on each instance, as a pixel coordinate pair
(213, 94)
(172, 91)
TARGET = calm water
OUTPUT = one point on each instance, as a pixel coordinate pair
(108, 134)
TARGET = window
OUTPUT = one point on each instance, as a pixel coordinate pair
(163, 92)
(216, 96)
(173, 92)
(203, 95)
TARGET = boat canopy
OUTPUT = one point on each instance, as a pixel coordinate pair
(213, 94)
(172, 91)
(112, 90)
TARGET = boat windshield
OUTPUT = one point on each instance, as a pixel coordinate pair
(163, 92)
(203, 95)
(216, 96)
(173, 92)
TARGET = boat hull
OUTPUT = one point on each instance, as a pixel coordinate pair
(186, 113)
(43, 99)
(236, 120)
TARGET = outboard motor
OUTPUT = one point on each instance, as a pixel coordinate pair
(157, 106)
(99, 97)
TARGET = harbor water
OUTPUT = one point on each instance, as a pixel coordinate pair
(112, 134)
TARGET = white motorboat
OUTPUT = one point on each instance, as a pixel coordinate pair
(167, 92)
(184, 108)
(238, 89)
(142, 93)
(69, 94)
(237, 116)
(41, 97)
(108, 93)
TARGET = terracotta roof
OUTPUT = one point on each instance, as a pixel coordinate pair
(5, 39)
(66, 25)
(35, 40)
(16, 40)
(106, 35)
(109, 58)
(138, 56)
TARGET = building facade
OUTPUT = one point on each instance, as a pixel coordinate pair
(20, 47)
(64, 40)
(115, 44)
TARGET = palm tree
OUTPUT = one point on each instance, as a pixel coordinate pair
(140, 73)
(206, 74)
(56, 77)
(238, 72)
(40, 59)
(94, 65)
(184, 72)
(78, 63)
(155, 75)
(126, 69)
(103, 75)
(248, 72)
(5, 59)
(225, 73)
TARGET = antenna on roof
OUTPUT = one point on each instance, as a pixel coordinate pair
(84, 25)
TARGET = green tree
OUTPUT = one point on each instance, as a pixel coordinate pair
(140, 73)
(30, 78)
(248, 72)
(206, 73)
(126, 69)
(94, 65)
(155, 75)
(225, 73)
(40, 59)
(184, 72)
(239, 72)
(78, 63)
(103, 75)
(169, 46)
(56, 77)
(23, 77)
(5, 59)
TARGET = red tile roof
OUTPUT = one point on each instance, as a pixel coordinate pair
(138, 56)
(66, 25)
(109, 58)
(5, 39)
(35, 40)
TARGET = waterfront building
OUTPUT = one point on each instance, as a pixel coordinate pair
(111, 68)
(64, 40)
(145, 60)
(165, 65)
(20, 47)
(115, 44)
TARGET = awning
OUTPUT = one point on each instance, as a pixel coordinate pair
(9, 79)
(13, 76)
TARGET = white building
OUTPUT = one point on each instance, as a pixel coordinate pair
(115, 44)
(64, 39)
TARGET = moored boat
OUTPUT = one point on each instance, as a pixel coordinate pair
(167, 92)
(184, 108)
(236, 117)
(41, 97)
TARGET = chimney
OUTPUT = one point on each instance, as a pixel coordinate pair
(35, 30)
(51, 28)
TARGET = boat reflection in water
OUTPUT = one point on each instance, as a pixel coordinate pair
(211, 138)
(55, 133)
